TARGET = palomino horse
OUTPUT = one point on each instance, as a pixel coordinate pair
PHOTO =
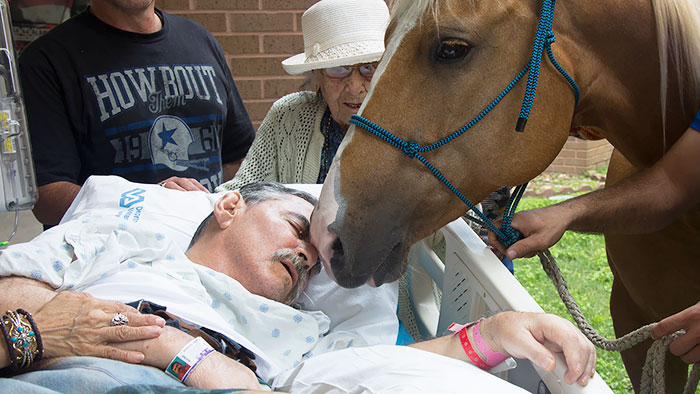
(446, 60)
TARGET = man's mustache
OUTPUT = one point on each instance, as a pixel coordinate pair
(302, 274)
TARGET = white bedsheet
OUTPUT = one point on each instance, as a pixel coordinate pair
(389, 369)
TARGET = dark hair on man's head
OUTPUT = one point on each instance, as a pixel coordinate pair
(255, 193)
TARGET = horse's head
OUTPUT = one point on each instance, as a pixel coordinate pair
(444, 63)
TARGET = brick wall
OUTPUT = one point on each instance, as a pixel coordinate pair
(578, 156)
(256, 35)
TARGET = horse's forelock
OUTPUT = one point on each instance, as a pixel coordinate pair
(412, 10)
(404, 11)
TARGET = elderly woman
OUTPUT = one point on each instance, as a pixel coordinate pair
(297, 140)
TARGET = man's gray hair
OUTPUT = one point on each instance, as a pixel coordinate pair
(255, 193)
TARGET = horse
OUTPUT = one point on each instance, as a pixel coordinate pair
(635, 66)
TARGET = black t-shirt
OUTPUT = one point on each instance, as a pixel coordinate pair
(143, 106)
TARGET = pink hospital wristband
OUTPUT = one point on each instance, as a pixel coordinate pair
(490, 357)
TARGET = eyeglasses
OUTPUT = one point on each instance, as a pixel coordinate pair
(366, 70)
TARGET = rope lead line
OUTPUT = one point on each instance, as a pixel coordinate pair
(653, 380)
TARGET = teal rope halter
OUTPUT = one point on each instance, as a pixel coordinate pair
(544, 38)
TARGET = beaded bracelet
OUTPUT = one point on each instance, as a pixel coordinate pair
(24, 343)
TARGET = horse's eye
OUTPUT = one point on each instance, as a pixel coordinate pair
(452, 49)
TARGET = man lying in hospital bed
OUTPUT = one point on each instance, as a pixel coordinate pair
(128, 253)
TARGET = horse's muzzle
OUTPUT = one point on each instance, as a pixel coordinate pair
(353, 264)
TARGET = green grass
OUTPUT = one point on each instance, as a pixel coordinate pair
(581, 258)
(556, 181)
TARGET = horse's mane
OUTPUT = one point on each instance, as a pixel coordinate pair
(678, 40)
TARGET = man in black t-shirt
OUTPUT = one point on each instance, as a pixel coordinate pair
(129, 90)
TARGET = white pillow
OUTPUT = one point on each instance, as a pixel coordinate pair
(364, 311)
(173, 213)
(369, 311)
(390, 369)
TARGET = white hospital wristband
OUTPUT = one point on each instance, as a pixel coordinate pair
(188, 358)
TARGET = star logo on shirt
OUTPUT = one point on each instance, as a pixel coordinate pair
(166, 135)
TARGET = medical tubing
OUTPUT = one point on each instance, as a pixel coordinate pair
(14, 230)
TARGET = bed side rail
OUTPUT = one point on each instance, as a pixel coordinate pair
(474, 284)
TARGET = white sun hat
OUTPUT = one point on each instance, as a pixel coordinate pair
(340, 33)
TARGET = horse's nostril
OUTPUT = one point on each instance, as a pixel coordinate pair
(337, 247)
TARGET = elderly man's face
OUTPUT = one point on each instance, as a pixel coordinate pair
(343, 95)
(269, 246)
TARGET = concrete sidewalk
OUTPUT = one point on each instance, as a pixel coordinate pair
(27, 227)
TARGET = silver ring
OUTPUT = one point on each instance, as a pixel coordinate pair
(119, 320)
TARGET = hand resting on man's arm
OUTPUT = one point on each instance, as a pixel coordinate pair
(183, 184)
(76, 324)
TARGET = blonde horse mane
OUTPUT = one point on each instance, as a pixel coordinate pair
(410, 10)
(678, 39)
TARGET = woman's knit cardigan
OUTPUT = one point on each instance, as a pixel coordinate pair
(287, 146)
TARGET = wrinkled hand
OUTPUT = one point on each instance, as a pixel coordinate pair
(541, 228)
(76, 324)
(687, 346)
(535, 336)
(183, 184)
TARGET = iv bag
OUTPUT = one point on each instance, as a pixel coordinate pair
(18, 188)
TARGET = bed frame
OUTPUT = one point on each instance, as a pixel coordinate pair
(474, 284)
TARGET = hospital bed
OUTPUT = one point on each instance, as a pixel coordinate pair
(458, 283)
(461, 280)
